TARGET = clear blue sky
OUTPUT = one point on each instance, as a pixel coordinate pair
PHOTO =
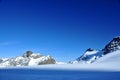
(63, 29)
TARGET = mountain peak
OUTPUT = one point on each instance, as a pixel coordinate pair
(116, 38)
(113, 45)
(89, 49)
(27, 54)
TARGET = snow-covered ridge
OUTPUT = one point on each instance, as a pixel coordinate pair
(27, 59)
(91, 55)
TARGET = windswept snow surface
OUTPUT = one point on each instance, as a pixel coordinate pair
(91, 67)
(112, 58)
(95, 71)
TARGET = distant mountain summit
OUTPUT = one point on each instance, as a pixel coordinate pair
(27, 59)
(92, 55)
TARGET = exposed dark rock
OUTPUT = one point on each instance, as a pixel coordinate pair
(27, 54)
(89, 49)
(1, 60)
(48, 61)
(112, 45)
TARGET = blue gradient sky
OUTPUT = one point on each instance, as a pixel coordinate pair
(63, 29)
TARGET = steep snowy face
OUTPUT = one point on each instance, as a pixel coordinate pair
(89, 56)
(112, 45)
(27, 59)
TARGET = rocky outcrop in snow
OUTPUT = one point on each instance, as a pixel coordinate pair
(27, 59)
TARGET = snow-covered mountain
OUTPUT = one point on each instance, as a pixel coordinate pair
(110, 53)
(89, 56)
(92, 55)
(27, 59)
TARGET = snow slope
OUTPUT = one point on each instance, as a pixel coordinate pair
(113, 57)
(88, 57)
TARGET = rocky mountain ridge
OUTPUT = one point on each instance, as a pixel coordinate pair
(27, 59)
